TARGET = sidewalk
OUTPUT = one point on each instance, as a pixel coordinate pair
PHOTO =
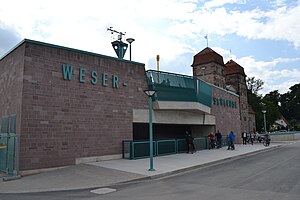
(106, 173)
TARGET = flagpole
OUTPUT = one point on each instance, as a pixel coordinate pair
(206, 37)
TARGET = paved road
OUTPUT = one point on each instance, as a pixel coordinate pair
(269, 175)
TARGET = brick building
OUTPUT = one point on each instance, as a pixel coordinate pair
(209, 65)
(73, 106)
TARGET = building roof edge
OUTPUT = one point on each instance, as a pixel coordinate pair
(65, 48)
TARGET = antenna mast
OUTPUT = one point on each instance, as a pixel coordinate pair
(119, 46)
(120, 34)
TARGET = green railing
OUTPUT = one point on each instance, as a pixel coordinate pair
(201, 143)
(284, 133)
(7, 144)
(137, 149)
(140, 149)
(166, 147)
(176, 87)
(7, 151)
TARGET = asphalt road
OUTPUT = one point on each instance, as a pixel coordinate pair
(273, 175)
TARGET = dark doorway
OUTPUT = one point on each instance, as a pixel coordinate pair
(160, 131)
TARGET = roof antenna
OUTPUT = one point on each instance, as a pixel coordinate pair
(119, 46)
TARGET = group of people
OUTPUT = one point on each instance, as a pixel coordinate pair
(215, 140)
(250, 137)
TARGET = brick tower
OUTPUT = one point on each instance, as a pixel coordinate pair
(236, 77)
(209, 66)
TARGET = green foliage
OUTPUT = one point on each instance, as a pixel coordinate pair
(254, 85)
(255, 100)
(290, 106)
(272, 112)
(276, 104)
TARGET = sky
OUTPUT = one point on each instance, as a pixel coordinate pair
(263, 36)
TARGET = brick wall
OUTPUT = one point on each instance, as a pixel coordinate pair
(11, 84)
(238, 81)
(227, 116)
(67, 119)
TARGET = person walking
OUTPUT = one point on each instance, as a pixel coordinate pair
(252, 137)
(231, 139)
(219, 139)
(211, 137)
(189, 142)
(244, 137)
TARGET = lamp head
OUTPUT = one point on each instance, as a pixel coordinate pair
(130, 40)
(149, 93)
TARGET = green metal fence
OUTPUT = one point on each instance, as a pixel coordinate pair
(201, 143)
(137, 149)
(181, 145)
(140, 149)
(7, 144)
(176, 87)
(166, 147)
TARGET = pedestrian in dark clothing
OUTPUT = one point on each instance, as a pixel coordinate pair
(219, 139)
(231, 139)
(244, 137)
(189, 142)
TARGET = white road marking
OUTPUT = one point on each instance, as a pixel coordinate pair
(103, 190)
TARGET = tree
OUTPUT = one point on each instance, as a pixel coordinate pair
(290, 106)
(255, 100)
(254, 85)
(271, 102)
(272, 113)
(273, 97)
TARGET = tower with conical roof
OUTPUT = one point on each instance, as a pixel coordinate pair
(209, 66)
(236, 77)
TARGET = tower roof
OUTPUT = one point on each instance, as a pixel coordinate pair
(207, 55)
(231, 67)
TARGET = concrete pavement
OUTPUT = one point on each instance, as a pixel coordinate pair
(107, 173)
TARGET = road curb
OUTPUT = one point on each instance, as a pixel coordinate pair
(196, 167)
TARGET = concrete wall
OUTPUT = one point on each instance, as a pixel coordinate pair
(285, 137)
(173, 117)
(65, 120)
(199, 131)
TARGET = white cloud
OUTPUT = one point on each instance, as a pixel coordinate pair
(266, 71)
(171, 28)
(218, 3)
(278, 3)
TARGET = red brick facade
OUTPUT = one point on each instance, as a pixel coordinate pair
(72, 104)
(11, 84)
(62, 120)
(225, 107)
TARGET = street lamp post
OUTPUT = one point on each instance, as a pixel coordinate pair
(130, 40)
(265, 125)
(150, 94)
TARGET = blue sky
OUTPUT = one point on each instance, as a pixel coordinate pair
(263, 36)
